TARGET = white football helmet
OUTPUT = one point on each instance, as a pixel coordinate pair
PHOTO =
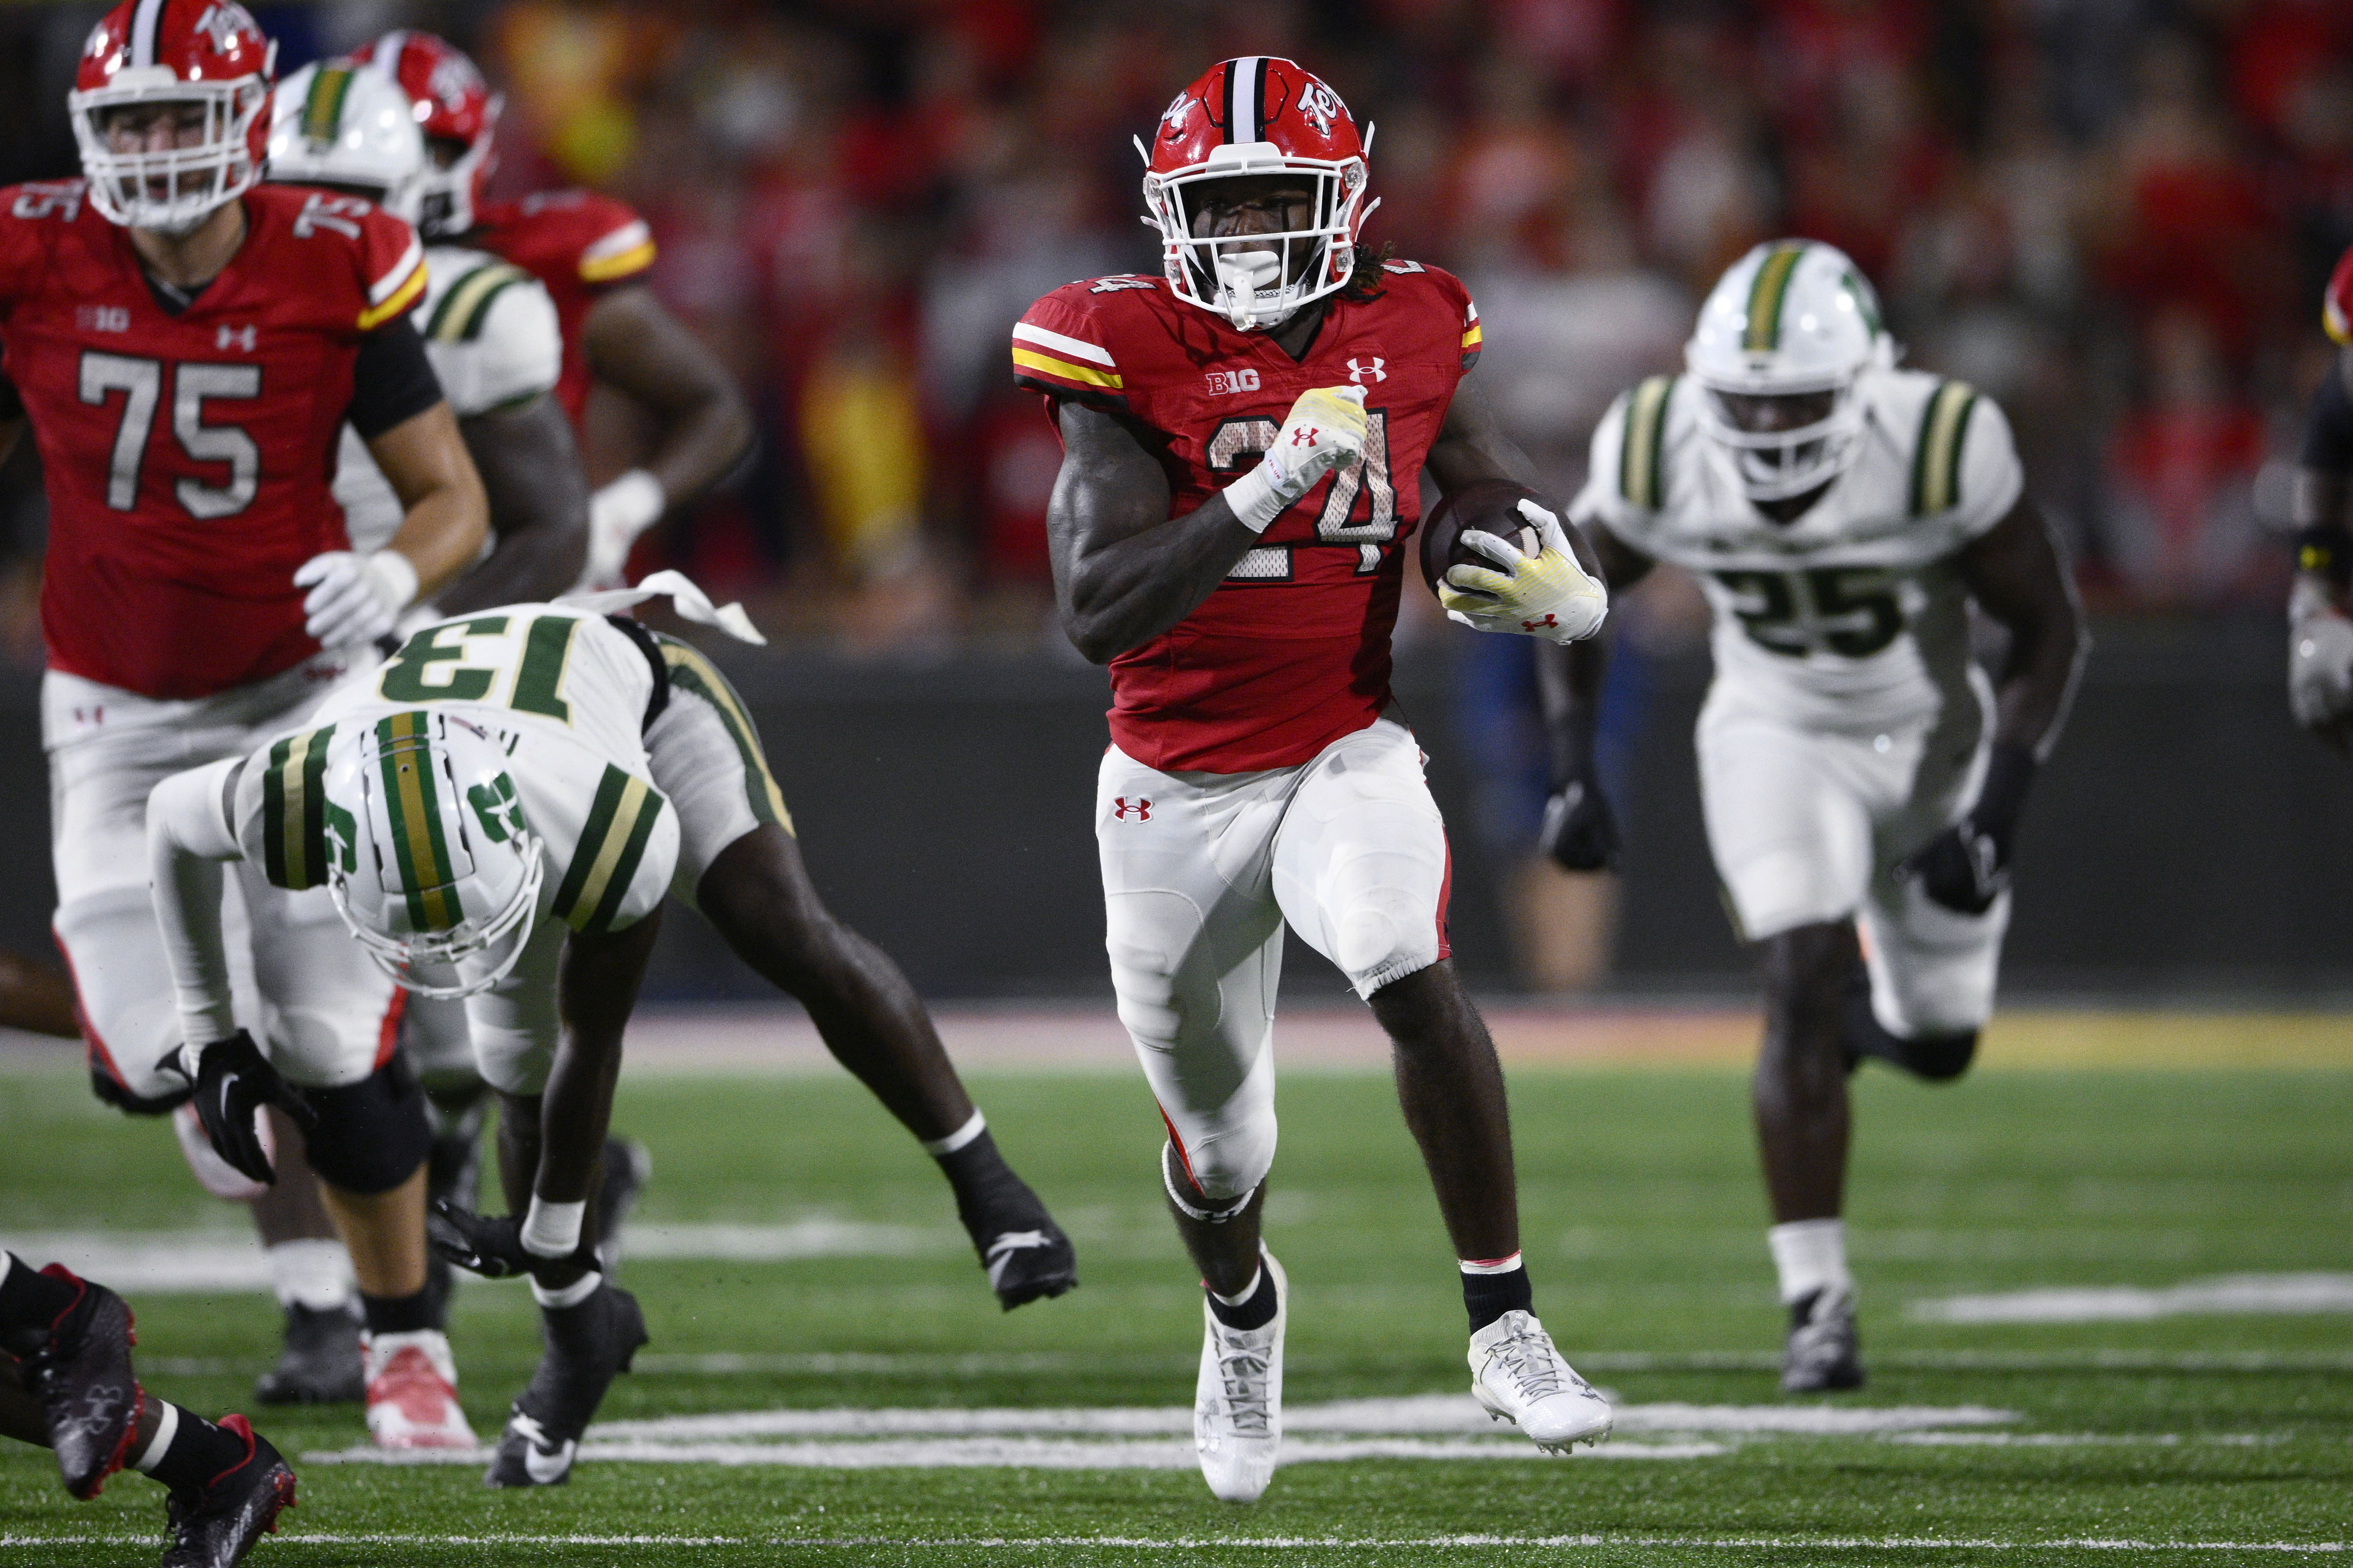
(342, 124)
(1792, 318)
(431, 861)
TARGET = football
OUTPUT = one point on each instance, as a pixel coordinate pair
(1491, 506)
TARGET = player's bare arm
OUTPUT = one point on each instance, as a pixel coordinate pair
(1124, 571)
(424, 458)
(2015, 575)
(538, 498)
(1579, 831)
(641, 349)
(2320, 637)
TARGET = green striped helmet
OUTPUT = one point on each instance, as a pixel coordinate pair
(440, 882)
(1782, 342)
(339, 124)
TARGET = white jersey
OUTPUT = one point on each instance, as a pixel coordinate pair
(1853, 617)
(570, 691)
(491, 332)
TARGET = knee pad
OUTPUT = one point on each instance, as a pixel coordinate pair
(1188, 1196)
(372, 1135)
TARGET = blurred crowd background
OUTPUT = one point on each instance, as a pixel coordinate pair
(2115, 215)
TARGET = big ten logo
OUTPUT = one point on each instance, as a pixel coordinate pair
(102, 317)
(1225, 381)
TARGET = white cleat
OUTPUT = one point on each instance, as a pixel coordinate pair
(1238, 1400)
(412, 1392)
(1519, 1376)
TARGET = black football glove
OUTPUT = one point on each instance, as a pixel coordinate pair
(491, 1245)
(1966, 866)
(233, 1081)
(1579, 832)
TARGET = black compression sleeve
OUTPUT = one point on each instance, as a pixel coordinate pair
(2328, 426)
(391, 382)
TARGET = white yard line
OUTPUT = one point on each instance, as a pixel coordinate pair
(2230, 1294)
(1264, 1542)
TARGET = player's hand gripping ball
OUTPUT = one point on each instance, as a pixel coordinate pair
(1500, 562)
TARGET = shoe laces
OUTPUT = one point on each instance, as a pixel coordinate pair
(1535, 1367)
(1242, 1376)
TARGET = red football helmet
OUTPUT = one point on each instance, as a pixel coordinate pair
(1253, 115)
(453, 104)
(207, 53)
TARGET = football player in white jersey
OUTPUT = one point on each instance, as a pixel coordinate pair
(1859, 773)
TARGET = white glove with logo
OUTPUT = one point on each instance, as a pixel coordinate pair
(354, 598)
(616, 515)
(1546, 595)
(2319, 658)
(1325, 430)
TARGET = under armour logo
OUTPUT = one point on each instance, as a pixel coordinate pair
(1358, 369)
(1306, 435)
(233, 337)
(1142, 808)
(1549, 620)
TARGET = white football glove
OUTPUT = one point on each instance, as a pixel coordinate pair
(1546, 595)
(616, 515)
(2319, 668)
(1324, 430)
(354, 599)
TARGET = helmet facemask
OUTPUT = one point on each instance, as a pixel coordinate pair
(1258, 280)
(1785, 442)
(171, 190)
(446, 191)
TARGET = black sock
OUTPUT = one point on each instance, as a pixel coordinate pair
(199, 1452)
(30, 1304)
(990, 1199)
(1490, 1296)
(1255, 1313)
(397, 1314)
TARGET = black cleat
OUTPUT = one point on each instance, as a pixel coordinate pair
(215, 1527)
(588, 1346)
(1823, 1353)
(320, 1362)
(628, 1169)
(81, 1376)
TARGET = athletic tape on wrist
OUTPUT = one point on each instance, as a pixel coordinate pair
(552, 1230)
(1259, 497)
(935, 1147)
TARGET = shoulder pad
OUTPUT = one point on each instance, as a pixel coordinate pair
(297, 825)
(1642, 453)
(1937, 455)
(457, 316)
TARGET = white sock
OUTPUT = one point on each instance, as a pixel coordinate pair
(312, 1272)
(571, 1295)
(1810, 1255)
(1248, 1290)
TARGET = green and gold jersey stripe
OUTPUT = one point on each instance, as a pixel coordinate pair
(1936, 461)
(1765, 296)
(605, 861)
(1641, 457)
(323, 108)
(412, 800)
(293, 811)
(690, 672)
(458, 317)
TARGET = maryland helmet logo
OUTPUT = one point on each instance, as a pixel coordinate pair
(1321, 105)
(223, 22)
(1172, 119)
(453, 78)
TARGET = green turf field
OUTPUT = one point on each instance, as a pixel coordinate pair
(2204, 1436)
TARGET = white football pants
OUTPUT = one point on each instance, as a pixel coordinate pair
(1809, 825)
(1200, 870)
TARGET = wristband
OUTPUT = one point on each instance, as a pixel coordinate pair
(552, 1230)
(633, 501)
(1259, 497)
(395, 578)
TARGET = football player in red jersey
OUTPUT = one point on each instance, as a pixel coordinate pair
(591, 253)
(187, 345)
(1244, 439)
(2320, 637)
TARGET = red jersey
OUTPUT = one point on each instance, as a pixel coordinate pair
(2337, 302)
(578, 244)
(1291, 651)
(188, 458)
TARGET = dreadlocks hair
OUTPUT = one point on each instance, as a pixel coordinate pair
(1368, 281)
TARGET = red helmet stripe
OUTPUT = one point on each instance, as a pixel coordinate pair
(146, 22)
